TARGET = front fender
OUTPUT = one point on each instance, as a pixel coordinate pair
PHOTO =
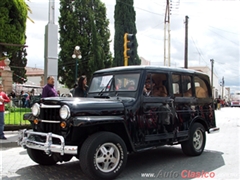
(87, 120)
(28, 116)
(114, 124)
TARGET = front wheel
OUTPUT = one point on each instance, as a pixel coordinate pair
(103, 155)
(194, 146)
(41, 157)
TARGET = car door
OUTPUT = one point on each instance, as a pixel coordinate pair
(184, 100)
(157, 120)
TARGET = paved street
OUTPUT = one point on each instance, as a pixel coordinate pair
(221, 158)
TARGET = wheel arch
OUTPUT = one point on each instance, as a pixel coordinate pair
(201, 121)
(118, 128)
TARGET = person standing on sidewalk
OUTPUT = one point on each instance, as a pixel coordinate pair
(49, 89)
(3, 99)
(82, 89)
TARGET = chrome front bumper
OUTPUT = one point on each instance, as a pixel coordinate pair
(26, 139)
(214, 130)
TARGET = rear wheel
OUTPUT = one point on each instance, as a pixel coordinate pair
(103, 155)
(41, 157)
(194, 146)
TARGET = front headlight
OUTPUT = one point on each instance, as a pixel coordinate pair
(36, 109)
(64, 112)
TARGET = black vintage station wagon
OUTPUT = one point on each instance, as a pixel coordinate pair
(128, 109)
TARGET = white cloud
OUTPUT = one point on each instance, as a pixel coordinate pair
(213, 33)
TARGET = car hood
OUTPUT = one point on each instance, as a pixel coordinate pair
(92, 106)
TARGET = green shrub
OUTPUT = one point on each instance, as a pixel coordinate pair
(14, 116)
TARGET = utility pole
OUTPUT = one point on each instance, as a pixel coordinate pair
(167, 39)
(222, 86)
(186, 43)
(212, 62)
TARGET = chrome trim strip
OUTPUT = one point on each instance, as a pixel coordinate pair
(49, 106)
(214, 130)
(98, 118)
(48, 147)
(49, 121)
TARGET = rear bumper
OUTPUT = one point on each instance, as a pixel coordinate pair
(214, 130)
(27, 139)
(235, 104)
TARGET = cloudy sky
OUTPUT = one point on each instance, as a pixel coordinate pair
(213, 33)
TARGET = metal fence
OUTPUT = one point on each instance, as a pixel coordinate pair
(14, 112)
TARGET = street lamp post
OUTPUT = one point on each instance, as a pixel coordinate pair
(76, 55)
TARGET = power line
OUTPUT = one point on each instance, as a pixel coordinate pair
(223, 30)
(225, 38)
(141, 8)
(198, 50)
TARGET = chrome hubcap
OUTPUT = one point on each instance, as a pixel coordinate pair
(198, 139)
(107, 157)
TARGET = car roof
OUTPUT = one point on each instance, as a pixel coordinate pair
(140, 67)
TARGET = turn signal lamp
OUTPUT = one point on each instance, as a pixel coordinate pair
(63, 124)
(35, 121)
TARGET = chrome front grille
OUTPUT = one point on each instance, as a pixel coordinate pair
(49, 113)
(50, 127)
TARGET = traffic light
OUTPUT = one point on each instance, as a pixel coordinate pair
(128, 45)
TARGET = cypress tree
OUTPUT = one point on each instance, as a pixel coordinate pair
(83, 23)
(125, 18)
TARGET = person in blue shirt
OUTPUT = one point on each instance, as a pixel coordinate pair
(49, 89)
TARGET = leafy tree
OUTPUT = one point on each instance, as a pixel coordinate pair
(19, 62)
(83, 23)
(13, 16)
(125, 18)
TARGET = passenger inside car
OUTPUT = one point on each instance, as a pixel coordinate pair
(199, 91)
(160, 82)
(149, 88)
(153, 89)
(162, 91)
(118, 84)
(131, 85)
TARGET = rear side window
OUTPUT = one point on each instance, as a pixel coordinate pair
(182, 86)
(201, 90)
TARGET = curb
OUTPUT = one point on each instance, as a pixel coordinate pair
(8, 144)
(11, 141)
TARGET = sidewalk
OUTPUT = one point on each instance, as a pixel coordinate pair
(12, 137)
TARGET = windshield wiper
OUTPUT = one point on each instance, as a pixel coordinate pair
(105, 88)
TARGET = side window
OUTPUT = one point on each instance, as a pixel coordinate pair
(200, 88)
(182, 86)
(126, 82)
(176, 85)
(187, 86)
(156, 85)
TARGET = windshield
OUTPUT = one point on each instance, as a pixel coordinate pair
(117, 82)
